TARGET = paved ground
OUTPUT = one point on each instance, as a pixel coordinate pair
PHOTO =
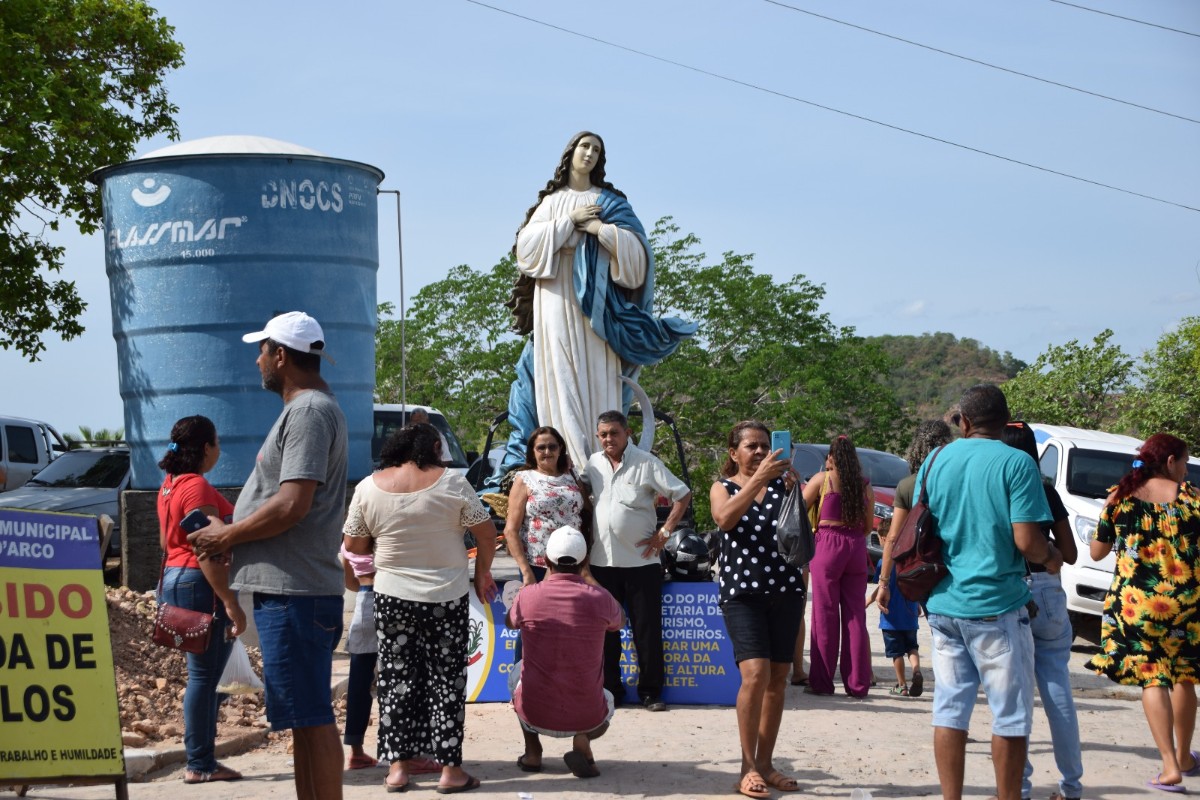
(832, 745)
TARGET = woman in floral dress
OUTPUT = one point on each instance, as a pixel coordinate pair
(1151, 624)
(545, 496)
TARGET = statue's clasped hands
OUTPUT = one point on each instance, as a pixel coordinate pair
(587, 219)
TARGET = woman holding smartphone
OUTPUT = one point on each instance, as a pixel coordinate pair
(761, 597)
(189, 582)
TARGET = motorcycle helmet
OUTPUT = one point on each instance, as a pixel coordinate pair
(687, 557)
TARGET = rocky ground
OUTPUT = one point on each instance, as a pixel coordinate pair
(151, 680)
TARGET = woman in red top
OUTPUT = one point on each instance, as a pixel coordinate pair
(191, 583)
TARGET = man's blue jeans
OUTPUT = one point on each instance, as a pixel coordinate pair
(995, 652)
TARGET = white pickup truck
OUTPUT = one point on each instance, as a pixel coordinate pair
(1083, 465)
(26, 447)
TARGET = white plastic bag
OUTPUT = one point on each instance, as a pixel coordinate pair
(239, 677)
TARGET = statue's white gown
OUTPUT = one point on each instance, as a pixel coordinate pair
(577, 376)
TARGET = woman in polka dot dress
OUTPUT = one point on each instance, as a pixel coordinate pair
(762, 597)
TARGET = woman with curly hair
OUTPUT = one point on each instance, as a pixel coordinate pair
(1150, 630)
(839, 572)
(411, 514)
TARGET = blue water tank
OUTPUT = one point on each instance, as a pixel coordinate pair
(207, 240)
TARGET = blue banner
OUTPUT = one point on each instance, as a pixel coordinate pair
(44, 540)
(697, 652)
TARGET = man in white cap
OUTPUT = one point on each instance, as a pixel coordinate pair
(285, 535)
(558, 686)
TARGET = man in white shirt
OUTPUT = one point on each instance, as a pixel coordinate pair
(625, 483)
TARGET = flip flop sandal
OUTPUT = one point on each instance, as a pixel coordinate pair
(580, 765)
(472, 783)
(1195, 770)
(1173, 788)
(524, 767)
(362, 762)
(918, 685)
(783, 783)
(800, 681)
(899, 691)
(396, 787)
(221, 773)
(752, 785)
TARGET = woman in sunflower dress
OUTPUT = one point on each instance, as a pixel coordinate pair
(1151, 625)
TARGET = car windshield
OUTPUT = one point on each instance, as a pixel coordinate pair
(84, 469)
(1093, 473)
(883, 469)
(388, 422)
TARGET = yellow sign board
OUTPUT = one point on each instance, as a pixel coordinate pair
(58, 695)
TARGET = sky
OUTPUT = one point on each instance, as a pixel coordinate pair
(466, 110)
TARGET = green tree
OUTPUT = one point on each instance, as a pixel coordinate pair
(764, 350)
(460, 350)
(87, 434)
(1074, 385)
(933, 370)
(1169, 399)
(80, 85)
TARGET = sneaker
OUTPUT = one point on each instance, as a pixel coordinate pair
(653, 704)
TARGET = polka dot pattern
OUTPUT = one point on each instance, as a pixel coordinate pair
(750, 562)
(422, 677)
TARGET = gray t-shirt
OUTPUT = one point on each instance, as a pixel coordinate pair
(307, 442)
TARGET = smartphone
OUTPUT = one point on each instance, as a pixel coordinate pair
(194, 521)
(782, 440)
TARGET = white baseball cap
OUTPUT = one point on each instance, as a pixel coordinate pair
(566, 546)
(296, 330)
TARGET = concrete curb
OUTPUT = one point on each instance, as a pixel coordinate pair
(140, 762)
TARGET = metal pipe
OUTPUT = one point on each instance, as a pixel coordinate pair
(403, 347)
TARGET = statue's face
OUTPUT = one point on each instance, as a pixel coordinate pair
(586, 155)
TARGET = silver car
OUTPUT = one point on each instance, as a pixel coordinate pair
(85, 481)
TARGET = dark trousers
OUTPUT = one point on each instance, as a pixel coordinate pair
(639, 590)
(358, 696)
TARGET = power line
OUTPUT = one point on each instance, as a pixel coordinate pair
(981, 63)
(852, 115)
(1127, 19)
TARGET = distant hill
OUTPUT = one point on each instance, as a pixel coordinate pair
(932, 370)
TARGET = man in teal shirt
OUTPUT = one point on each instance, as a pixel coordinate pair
(988, 501)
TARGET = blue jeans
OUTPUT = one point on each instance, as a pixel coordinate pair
(186, 587)
(995, 652)
(298, 634)
(1052, 637)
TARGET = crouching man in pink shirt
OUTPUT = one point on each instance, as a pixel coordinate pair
(558, 686)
